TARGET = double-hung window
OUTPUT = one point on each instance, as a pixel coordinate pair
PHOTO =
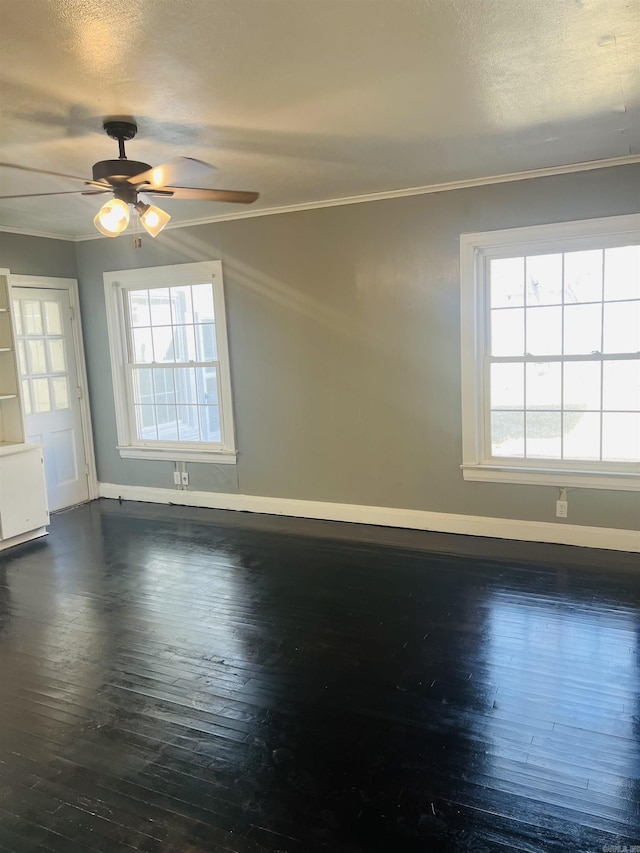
(551, 354)
(170, 363)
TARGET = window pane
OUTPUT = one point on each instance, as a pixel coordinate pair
(507, 386)
(32, 317)
(621, 387)
(203, 303)
(160, 306)
(544, 431)
(185, 383)
(544, 385)
(544, 331)
(188, 423)
(210, 423)
(581, 435)
(507, 434)
(22, 359)
(582, 329)
(507, 282)
(507, 331)
(184, 343)
(26, 396)
(37, 357)
(57, 360)
(40, 394)
(167, 422)
(139, 307)
(146, 422)
(53, 317)
(181, 308)
(622, 327)
(206, 342)
(620, 437)
(582, 385)
(143, 385)
(163, 344)
(544, 279)
(207, 384)
(583, 276)
(60, 387)
(142, 346)
(622, 273)
(17, 316)
(163, 385)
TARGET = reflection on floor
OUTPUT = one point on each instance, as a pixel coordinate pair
(185, 680)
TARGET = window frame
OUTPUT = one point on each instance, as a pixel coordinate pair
(475, 251)
(116, 284)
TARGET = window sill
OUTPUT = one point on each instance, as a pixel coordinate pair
(560, 477)
(179, 454)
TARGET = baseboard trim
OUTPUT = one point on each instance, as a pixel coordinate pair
(441, 522)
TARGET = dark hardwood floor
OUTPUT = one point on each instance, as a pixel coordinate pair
(182, 680)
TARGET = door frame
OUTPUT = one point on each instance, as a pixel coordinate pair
(40, 282)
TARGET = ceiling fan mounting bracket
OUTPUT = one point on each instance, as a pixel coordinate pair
(120, 129)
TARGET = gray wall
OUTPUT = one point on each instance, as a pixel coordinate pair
(25, 255)
(345, 347)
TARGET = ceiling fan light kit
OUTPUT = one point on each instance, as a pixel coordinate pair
(112, 218)
(126, 178)
(152, 218)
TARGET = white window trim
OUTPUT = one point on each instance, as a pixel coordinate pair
(474, 248)
(128, 445)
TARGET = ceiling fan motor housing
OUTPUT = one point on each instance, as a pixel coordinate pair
(118, 170)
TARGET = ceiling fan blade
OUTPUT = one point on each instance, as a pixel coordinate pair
(193, 194)
(55, 174)
(65, 192)
(181, 169)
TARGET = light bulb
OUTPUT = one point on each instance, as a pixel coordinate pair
(112, 218)
(152, 218)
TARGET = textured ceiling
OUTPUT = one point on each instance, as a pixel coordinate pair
(307, 100)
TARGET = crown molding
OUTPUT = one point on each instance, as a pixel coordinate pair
(27, 233)
(447, 186)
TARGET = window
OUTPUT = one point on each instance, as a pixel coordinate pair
(170, 363)
(551, 354)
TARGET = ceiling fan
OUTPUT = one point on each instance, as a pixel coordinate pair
(125, 179)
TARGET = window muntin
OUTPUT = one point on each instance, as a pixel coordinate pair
(550, 323)
(563, 372)
(173, 365)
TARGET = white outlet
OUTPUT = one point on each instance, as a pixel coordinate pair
(562, 509)
(185, 478)
(176, 478)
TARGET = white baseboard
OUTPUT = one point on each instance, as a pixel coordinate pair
(441, 522)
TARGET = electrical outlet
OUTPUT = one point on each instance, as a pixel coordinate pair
(562, 509)
(185, 478)
(176, 478)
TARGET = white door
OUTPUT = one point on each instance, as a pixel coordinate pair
(50, 392)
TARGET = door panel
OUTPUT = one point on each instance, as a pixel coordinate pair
(50, 390)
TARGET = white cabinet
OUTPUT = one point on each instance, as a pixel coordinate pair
(23, 496)
(23, 501)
